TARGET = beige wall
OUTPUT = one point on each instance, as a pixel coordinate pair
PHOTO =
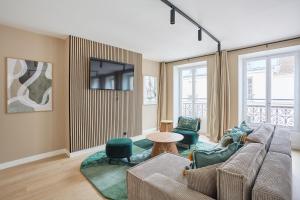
(150, 68)
(26, 134)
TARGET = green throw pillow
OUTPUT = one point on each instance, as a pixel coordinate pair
(205, 158)
(236, 134)
(187, 123)
(245, 128)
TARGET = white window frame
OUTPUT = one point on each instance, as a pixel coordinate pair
(177, 69)
(268, 55)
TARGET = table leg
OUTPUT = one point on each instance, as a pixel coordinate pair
(159, 148)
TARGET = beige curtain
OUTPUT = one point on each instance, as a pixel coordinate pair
(162, 94)
(213, 118)
(224, 94)
(219, 104)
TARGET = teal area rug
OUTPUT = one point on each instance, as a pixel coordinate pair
(110, 179)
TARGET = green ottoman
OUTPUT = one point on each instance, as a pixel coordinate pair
(119, 148)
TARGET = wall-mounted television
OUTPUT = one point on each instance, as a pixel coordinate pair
(111, 75)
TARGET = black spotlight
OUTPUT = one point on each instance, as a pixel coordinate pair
(199, 34)
(172, 16)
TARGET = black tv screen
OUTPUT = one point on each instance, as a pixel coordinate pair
(110, 75)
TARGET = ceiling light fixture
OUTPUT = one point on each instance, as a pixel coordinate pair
(199, 34)
(200, 28)
(172, 16)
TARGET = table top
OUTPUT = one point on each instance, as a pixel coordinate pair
(165, 137)
(166, 121)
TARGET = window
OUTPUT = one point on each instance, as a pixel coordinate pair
(269, 89)
(192, 94)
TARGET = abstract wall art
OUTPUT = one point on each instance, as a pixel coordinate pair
(29, 86)
(150, 90)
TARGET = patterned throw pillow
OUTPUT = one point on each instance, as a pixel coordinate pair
(226, 140)
(206, 158)
(187, 123)
(245, 128)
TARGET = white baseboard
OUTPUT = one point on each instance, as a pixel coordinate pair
(98, 148)
(87, 151)
(63, 151)
(32, 158)
(150, 130)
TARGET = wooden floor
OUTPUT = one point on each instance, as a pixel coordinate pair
(59, 178)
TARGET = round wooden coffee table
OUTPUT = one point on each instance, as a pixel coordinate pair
(164, 142)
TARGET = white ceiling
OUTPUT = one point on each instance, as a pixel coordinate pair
(143, 25)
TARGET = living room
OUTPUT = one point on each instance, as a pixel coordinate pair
(142, 99)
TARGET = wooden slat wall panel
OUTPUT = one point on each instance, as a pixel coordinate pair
(98, 115)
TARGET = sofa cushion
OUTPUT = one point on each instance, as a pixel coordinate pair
(274, 180)
(205, 158)
(281, 141)
(262, 134)
(187, 123)
(204, 180)
(159, 164)
(161, 187)
(236, 176)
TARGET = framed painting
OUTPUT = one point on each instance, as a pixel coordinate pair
(150, 90)
(29, 86)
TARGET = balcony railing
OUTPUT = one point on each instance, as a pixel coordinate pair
(281, 113)
(198, 110)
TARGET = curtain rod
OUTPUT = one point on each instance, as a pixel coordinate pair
(237, 49)
(190, 58)
(264, 44)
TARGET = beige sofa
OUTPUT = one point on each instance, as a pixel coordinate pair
(261, 170)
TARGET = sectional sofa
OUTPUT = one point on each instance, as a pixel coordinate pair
(260, 170)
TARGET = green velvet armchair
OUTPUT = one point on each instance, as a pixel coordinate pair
(188, 127)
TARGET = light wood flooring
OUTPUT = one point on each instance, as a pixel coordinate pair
(59, 178)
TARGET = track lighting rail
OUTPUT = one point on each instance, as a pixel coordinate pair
(172, 6)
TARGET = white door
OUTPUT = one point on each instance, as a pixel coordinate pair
(193, 93)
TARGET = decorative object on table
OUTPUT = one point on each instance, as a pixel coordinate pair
(205, 158)
(119, 148)
(166, 126)
(188, 127)
(29, 85)
(164, 142)
(110, 180)
(150, 90)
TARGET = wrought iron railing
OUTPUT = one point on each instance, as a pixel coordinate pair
(199, 109)
(281, 114)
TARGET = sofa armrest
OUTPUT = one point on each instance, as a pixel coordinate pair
(158, 186)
